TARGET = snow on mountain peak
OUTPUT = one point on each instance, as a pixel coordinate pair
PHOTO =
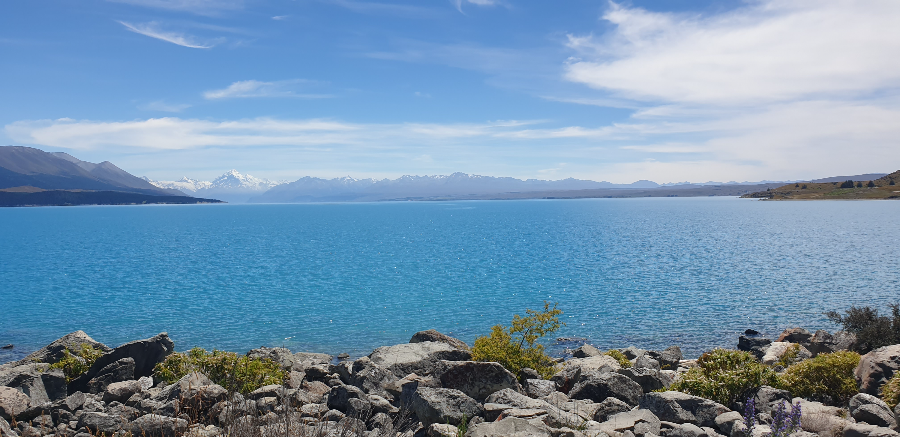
(230, 180)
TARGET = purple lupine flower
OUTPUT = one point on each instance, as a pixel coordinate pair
(750, 414)
(783, 423)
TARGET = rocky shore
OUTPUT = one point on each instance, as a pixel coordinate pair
(427, 387)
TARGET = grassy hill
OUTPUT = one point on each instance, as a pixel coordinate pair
(887, 187)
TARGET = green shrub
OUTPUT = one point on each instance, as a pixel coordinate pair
(725, 376)
(620, 357)
(515, 348)
(872, 330)
(826, 375)
(74, 364)
(890, 391)
(789, 356)
(847, 184)
(228, 369)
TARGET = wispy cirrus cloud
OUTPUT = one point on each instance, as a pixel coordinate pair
(200, 7)
(153, 30)
(366, 7)
(255, 88)
(459, 3)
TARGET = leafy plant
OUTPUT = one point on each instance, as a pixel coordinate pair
(784, 423)
(463, 427)
(828, 375)
(516, 347)
(890, 391)
(872, 330)
(228, 369)
(725, 376)
(74, 364)
(620, 357)
(789, 356)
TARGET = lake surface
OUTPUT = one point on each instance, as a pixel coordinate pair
(351, 277)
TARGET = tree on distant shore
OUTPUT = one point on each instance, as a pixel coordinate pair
(847, 184)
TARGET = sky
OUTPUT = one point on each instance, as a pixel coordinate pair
(665, 90)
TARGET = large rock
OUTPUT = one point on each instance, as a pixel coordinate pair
(538, 388)
(154, 425)
(514, 399)
(55, 351)
(864, 430)
(877, 367)
(608, 408)
(649, 379)
(508, 427)
(98, 422)
(677, 407)
(193, 394)
(586, 351)
(12, 402)
(572, 370)
(777, 349)
(768, 398)
(432, 335)
(869, 409)
(419, 358)
(795, 335)
(340, 396)
(145, 353)
(599, 386)
(282, 356)
(121, 391)
(629, 420)
(753, 345)
(443, 405)
(371, 378)
(119, 371)
(670, 357)
(41, 384)
(477, 379)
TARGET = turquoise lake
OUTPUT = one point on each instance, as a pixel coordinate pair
(351, 277)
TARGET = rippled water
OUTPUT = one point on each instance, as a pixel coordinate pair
(350, 277)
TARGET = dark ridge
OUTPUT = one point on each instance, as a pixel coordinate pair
(73, 198)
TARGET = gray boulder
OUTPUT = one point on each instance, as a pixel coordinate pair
(515, 399)
(55, 351)
(282, 356)
(371, 378)
(876, 367)
(688, 430)
(795, 335)
(586, 351)
(154, 425)
(538, 388)
(5, 429)
(864, 430)
(12, 402)
(41, 384)
(755, 346)
(443, 405)
(629, 420)
(646, 362)
(419, 358)
(767, 398)
(119, 371)
(442, 430)
(599, 386)
(648, 379)
(608, 408)
(98, 422)
(670, 357)
(121, 391)
(725, 422)
(572, 370)
(339, 397)
(509, 427)
(632, 352)
(677, 407)
(433, 335)
(869, 409)
(145, 353)
(477, 379)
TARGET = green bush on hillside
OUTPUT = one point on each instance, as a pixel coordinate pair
(872, 330)
(515, 348)
(228, 369)
(890, 391)
(827, 375)
(74, 364)
(725, 376)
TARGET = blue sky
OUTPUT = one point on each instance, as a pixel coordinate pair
(663, 90)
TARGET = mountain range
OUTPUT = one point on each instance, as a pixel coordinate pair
(232, 186)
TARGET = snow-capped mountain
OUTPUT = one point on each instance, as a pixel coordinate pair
(232, 186)
(310, 189)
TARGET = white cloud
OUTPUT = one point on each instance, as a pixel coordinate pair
(255, 88)
(768, 51)
(459, 3)
(162, 106)
(202, 7)
(280, 17)
(152, 30)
